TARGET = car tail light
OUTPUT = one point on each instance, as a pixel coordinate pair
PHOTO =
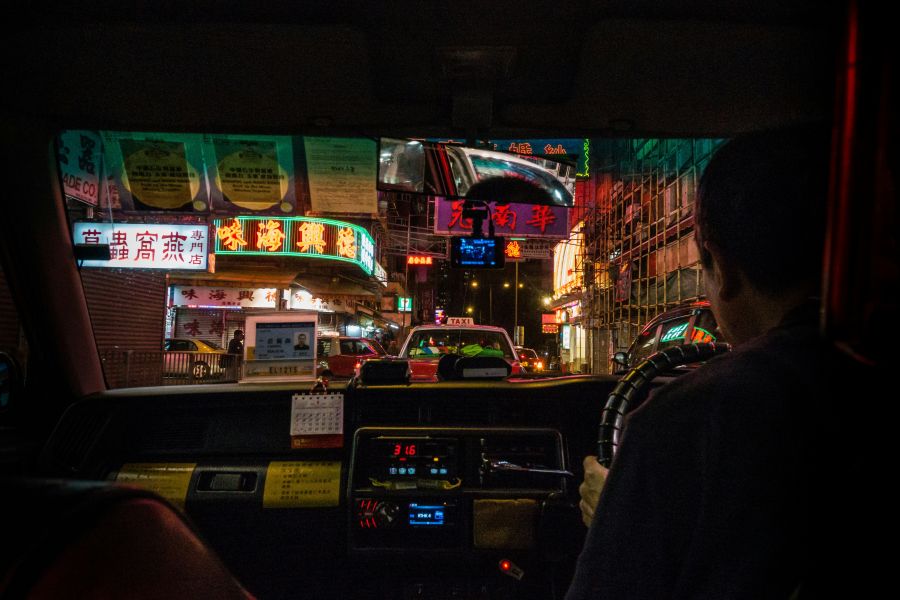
(539, 365)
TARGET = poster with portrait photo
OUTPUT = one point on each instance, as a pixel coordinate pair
(280, 347)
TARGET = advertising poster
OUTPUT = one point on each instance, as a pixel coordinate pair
(280, 347)
(341, 174)
(157, 171)
(251, 174)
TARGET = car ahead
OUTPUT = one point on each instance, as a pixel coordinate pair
(688, 324)
(193, 358)
(340, 356)
(529, 359)
(425, 346)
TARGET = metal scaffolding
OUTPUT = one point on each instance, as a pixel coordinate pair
(639, 257)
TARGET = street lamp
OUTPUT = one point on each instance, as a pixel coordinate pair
(469, 310)
(506, 284)
(474, 284)
(546, 300)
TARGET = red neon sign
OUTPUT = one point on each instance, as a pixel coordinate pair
(419, 260)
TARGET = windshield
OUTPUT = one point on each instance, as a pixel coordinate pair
(209, 236)
(434, 343)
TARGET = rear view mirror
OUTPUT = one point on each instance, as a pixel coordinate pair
(454, 171)
(477, 253)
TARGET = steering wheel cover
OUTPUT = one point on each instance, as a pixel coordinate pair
(635, 382)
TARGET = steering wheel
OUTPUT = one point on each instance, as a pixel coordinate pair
(634, 383)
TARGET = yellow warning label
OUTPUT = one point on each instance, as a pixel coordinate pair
(169, 480)
(302, 484)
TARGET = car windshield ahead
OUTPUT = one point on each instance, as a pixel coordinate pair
(434, 343)
(527, 354)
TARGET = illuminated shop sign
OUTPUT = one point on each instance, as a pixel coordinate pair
(296, 236)
(513, 250)
(419, 260)
(572, 147)
(514, 220)
(146, 246)
(404, 304)
(381, 274)
(197, 296)
(568, 257)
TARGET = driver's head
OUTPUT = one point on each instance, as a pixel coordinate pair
(761, 225)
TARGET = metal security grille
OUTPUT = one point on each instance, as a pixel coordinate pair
(639, 253)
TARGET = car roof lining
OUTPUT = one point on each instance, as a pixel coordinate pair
(567, 68)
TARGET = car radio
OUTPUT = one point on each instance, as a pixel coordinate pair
(451, 488)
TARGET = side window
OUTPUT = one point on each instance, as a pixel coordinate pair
(322, 348)
(347, 347)
(191, 347)
(673, 332)
(364, 348)
(643, 345)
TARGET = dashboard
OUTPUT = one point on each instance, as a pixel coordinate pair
(457, 490)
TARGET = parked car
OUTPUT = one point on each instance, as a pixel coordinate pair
(339, 356)
(686, 324)
(529, 359)
(197, 359)
(425, 346)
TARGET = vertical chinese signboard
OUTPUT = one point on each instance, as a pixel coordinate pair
(79, 154)
(147, 246)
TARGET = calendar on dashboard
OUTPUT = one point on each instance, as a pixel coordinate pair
(317, 420)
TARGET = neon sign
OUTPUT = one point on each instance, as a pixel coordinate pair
(513, 249)
(296, 236)
(419, 260)
(146, 246)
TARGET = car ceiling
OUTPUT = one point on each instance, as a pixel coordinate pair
(626, 68)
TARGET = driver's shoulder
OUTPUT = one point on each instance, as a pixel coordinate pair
(732, 382)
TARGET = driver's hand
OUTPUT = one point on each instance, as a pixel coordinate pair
(594, 479)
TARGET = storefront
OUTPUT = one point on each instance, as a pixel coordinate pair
(568, 281)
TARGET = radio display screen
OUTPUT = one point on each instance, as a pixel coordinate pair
(430, 515)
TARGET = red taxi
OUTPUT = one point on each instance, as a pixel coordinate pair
(425, 346)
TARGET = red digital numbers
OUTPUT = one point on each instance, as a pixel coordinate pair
(404, 450)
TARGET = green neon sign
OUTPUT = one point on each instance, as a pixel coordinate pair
(307, 237)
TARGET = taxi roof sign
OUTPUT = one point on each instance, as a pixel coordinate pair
(460, 321)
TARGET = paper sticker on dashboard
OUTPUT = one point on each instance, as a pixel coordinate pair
(169, 480)
(302, 484)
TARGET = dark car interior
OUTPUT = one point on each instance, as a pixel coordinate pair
(488, 507)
